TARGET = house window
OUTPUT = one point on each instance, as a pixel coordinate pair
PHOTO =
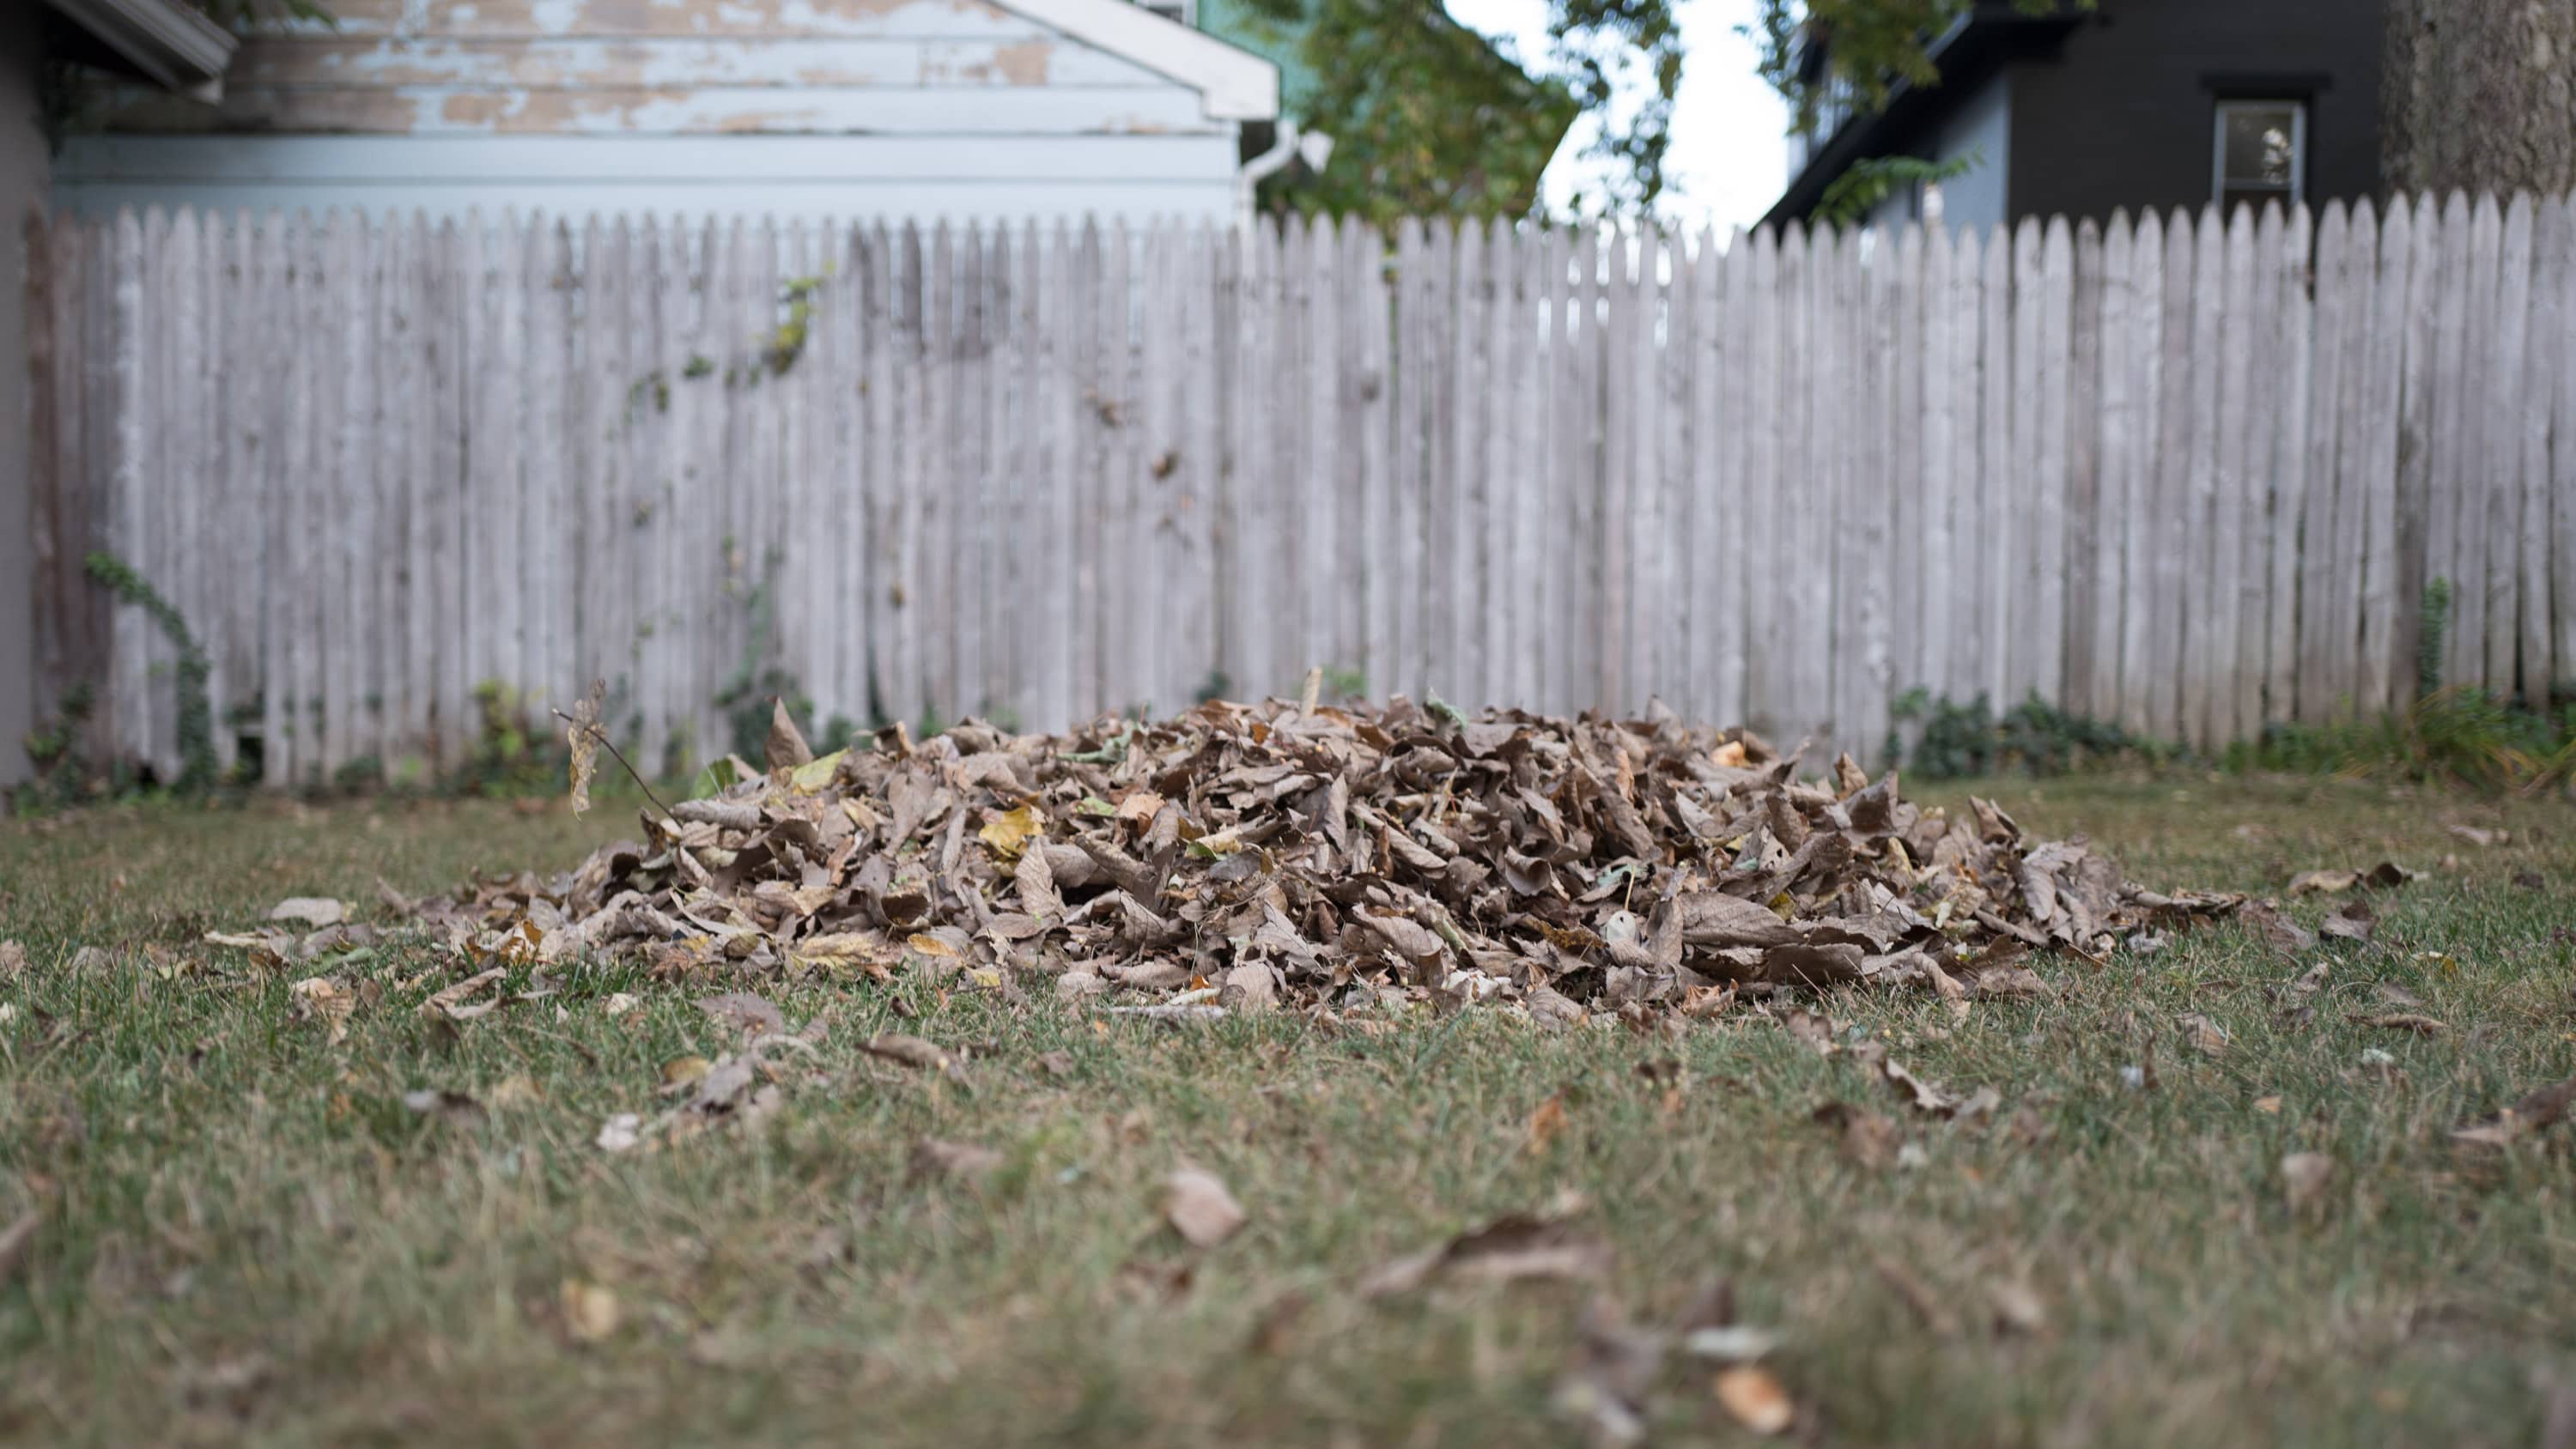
(2260, 153)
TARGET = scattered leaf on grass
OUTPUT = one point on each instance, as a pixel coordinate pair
(590, 1310)
(2401, 1021)
(1756, 1400)
(1200, 1208)
(314, 911)
(2268, 1106)
(2276, 930)
(319, 998)
(2017, 1308)
(445, 1105)
(935, 1157)
(684, 1072)
(2354, 920)
(13, 960)
(1935, 1315)
(1545, 1123)
(2481, 838)
(1868, 1138)
(15, 1239)
(1509, 1249)
(450, 1003)
(2303, 1176)
(2202, 1034)
(911, 1051)
(747, 1011)
(2537, 1111)
(620, 1133)
(2323, 882)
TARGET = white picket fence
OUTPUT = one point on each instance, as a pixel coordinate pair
(2188, 475)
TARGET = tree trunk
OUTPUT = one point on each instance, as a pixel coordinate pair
(2476, 95)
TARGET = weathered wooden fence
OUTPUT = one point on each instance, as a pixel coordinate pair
(2190, 475)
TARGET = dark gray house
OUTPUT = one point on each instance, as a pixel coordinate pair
(2133, 103)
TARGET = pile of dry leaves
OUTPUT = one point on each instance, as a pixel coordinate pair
(1241, 857)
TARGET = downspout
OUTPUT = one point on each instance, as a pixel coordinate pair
(1315, 147)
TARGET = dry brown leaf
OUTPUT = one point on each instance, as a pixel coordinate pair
(2017, 1308)
(318, 998)
(13, 960)
(1199, 1207)
(2482, 838)
(581, 737)
(911, 1051)
(1934, 1314)
(2202, 1034)
(15, 1240)
(590, 1310)
(934, 1157)
(2354, 921)
(2537, 1111)
(450, 1003)
(316, 911)
(1868, 1138)
(2401, 1021)
(2304, 1176)
(445, 1106)
(785, 748)
(1545, 1124)
(1510, 1249)
(747, 1011)
(1755, 1398)
(2278, 931)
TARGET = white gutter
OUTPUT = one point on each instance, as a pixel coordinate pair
(173, 45)
(1315, 147)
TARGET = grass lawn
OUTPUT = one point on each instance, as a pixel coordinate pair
(245, 1234)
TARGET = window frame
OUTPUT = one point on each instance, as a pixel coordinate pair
(2218, 116)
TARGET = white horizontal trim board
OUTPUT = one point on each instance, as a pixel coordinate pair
(1034, 58)
(1153, 108)
(1046, 471)
(1139, 178)
(616, 160)
(1015, 202)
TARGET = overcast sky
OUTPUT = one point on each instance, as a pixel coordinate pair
(1729, 157)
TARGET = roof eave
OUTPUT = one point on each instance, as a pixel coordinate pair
(1233, 83)
(169, 43)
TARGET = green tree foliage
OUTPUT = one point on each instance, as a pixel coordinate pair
(1428, 119)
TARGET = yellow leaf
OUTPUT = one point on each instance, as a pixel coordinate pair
(1010, 832)
(1730, 754)
(929, 945)
(813, 775)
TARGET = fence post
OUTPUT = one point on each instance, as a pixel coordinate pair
(26, 390)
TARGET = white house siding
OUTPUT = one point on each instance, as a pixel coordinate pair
(855, 108)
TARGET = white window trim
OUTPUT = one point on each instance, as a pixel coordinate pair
(2298, 105)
